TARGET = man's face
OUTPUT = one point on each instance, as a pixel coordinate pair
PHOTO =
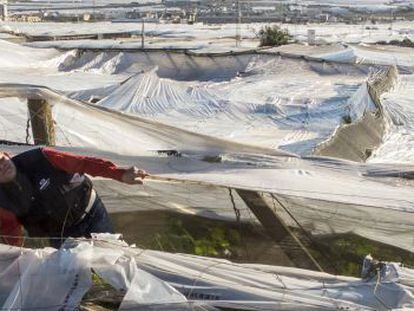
(7, 169)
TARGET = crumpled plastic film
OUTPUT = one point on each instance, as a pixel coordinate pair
(57, 280)
(44, 279)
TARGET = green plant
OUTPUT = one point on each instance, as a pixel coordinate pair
(347, 251)
(406, 42)
(101, 296)
(273, 36)
(212, 241)
(346, 119)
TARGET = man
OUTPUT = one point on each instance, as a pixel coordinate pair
(50, 196)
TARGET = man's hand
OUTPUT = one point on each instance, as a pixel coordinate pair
(134, 176)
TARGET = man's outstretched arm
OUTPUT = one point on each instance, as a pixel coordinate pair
(72, 163)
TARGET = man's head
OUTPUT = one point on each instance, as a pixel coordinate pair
(7, 168)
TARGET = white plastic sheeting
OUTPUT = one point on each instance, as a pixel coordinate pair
(21, 64)
(153, 280)
(121, 271)
(65, 277)
(402, 57)
(347, 55)
(43, 279)
(276, 103)
(328, 196)
(204, 35)
(176, 66)
(24, 56)
(358, 198)
(398, 146)
(335, 32)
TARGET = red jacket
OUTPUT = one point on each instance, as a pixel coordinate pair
(10, 228)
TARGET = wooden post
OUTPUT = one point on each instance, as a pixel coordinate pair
(42, 122)
(143, 34)
(279, 231)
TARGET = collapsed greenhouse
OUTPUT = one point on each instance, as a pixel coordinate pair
(304, 146)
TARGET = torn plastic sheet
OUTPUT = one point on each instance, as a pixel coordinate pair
(140, 286)
(269, 105)
(124, 275)
(42, 279)
(221, 283)
(326, 196)
(65, 277)
(330, 196)
(156, 280)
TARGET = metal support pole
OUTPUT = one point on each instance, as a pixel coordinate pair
(238, 35)
(143, 34)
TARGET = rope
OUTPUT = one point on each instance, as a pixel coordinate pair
(377, 284)
(64, 134)
(27, 131)
(49, 307)
(239, 222)
(34, 238)
(306, 234)
(280, 280)
(20, 293)
(200, 276)
(299, 242)
(64, 222)
(236, 210)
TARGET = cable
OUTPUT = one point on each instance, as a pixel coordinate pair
(306, 234)
(377, 284)
(27, 131)
(64, 222)
(238, 219)
(236, 210)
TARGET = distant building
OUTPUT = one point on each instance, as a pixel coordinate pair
(311, 36)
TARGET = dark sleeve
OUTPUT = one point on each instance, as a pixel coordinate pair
(72, 164)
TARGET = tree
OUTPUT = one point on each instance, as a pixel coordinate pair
(273, 36)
